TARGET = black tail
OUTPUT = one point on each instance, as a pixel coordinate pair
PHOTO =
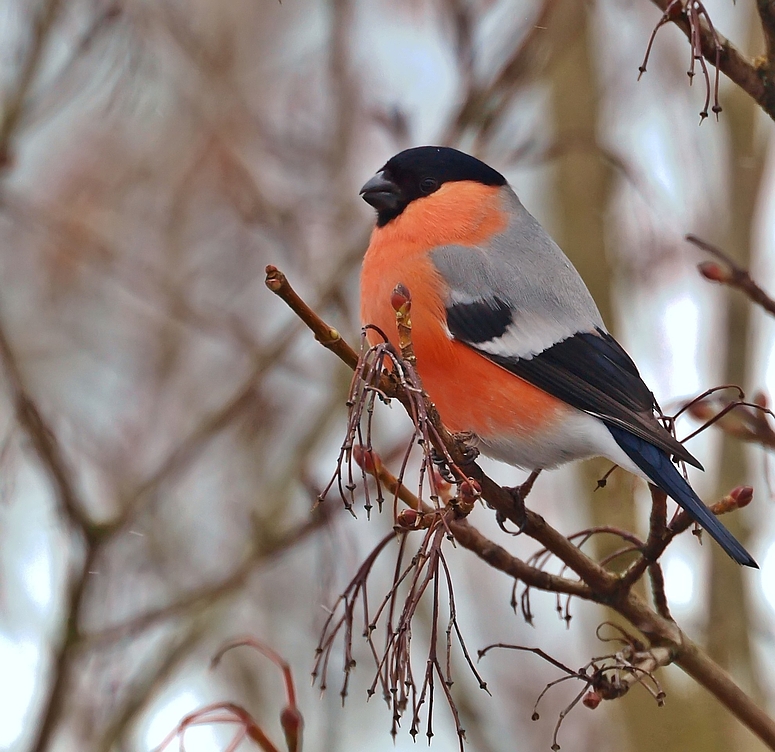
(663, 473)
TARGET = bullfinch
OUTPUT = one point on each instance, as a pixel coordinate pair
(510, 344)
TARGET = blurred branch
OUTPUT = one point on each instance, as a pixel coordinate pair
(29, 416)
(486, 104)
(30, 94)
(144, 691)
(189, 448)
(596, 583)
(222, 713)
(756, 78)
(63, 86)
(130, 277)
(745, 421)
(291, 719)
(62, 662)
(141, 693)
(14, 104)
(731, 274)
(44, 442)
(263, 551)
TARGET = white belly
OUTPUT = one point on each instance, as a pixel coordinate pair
(578, 436)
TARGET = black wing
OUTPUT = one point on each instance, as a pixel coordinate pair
(589, 371)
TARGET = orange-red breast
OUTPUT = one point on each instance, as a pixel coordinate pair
(509, 342)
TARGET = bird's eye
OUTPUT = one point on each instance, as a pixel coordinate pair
(428, 185)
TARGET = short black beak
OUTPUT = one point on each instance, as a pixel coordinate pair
(381, 193)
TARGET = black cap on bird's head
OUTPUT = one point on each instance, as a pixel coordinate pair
(418, 172)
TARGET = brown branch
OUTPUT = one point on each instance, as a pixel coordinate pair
(657, 579)
(470, 538)
(731, 275)
(277, 282)
(737, 498)
(699, 665)
(597, 583)
(755, 80)
(657, 524)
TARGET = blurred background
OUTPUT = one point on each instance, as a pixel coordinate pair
(156, 155)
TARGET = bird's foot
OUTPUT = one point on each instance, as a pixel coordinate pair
(440, 461)
(519, 513)
(465, 443)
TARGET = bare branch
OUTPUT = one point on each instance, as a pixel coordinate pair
(755, 80)
(608, 677)
(277, 282)
(598, 584)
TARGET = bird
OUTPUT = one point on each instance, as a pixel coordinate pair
(509, 342)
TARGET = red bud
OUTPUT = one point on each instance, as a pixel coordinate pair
(470, 490)
(367, 459)
(591, 700)
(400, 298)
(743, 495)
(702, 410)
(713, 271)
(292, 722)
(407, 518)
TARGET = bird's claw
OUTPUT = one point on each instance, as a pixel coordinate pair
(465, 442)
(520, 515)
(501, 518)
(440, 461)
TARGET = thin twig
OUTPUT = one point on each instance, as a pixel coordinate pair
(720, 52)
(733, 275)
(329, 337)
